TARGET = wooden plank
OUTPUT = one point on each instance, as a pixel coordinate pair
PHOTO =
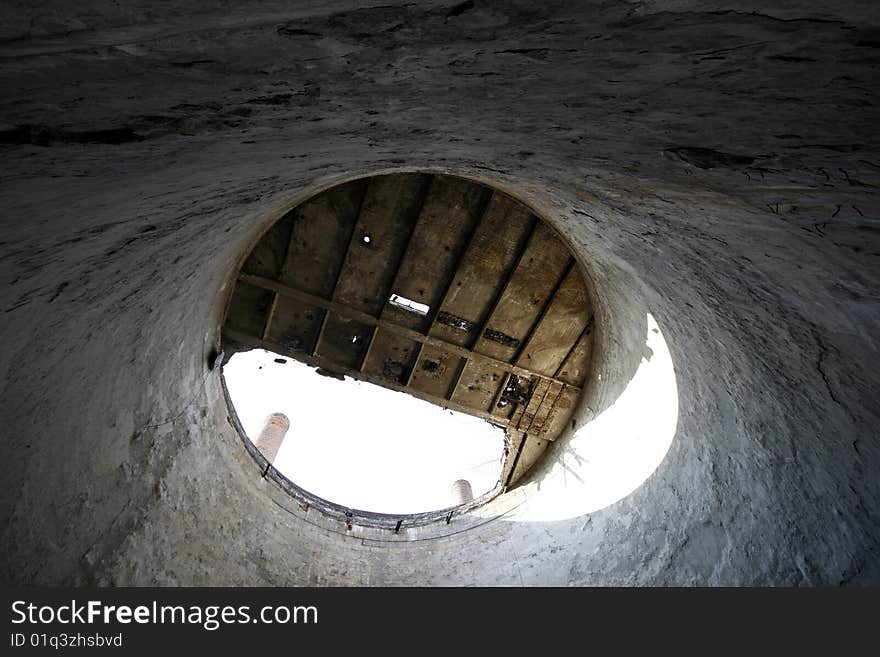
(317, 342)
(373, 333)
(369, 320)
(496, 408)
(446, 222)
(268, 256)
(453, 269)
(456, 380)
(522, 247)
(418, 354)
(533, 447)
(537, 321)
(270, 315)
(523, 388)
(576, 366)
(317, 361)
(560, 414)
(338, 261)
(486, 264)
(539, 394)
(559, 328)
(514, 440)
(387, 217)
(320, 232)
(295, 324)
(479, 384)
(531, 285)
(391, 357)
(392, 342)
(344, 341)
(537, 425)
(248, 308)
(435, 371)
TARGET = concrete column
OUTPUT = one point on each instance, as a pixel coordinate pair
(272, 435)
(462, 492)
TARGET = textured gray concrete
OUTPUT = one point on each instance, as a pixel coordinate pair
(715, 166)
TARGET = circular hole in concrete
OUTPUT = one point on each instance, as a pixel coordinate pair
(466, 301)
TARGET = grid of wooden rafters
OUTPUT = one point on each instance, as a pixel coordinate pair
(507, 332)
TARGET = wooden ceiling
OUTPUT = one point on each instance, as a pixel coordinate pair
(431, 285)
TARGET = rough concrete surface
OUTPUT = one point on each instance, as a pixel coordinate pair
(714, 165)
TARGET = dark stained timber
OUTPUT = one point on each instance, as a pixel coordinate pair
(388, 214)
(320, 231)
(530, 287)
(446, 221)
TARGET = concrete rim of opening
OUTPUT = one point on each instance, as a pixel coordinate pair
(397, 523)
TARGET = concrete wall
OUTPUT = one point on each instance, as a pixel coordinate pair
(714, 166)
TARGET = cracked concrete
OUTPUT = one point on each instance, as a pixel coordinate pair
(715, 167)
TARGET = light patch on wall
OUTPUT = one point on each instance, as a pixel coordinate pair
(360, 445)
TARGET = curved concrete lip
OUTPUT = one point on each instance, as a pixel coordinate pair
(609, 454)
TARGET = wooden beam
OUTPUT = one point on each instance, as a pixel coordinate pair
(519, 409)
(426, 192)
(487, 315)
(500, 392)
(342, 261)
(452, 272)
(490, 254)
(450, 275)
(320, 331)
(444, 228)
(549, 302)
(532, 448)
(387, 214)
(369, 349)
(530, 410)
(320, 232)
(270, 315)
(318, 361)
(544, 411)
(584, 332)
(339, 269)
(519, 451)
(416, 336)
(457, 378)
(412, 370)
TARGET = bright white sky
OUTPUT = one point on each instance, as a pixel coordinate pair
(360, 445)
